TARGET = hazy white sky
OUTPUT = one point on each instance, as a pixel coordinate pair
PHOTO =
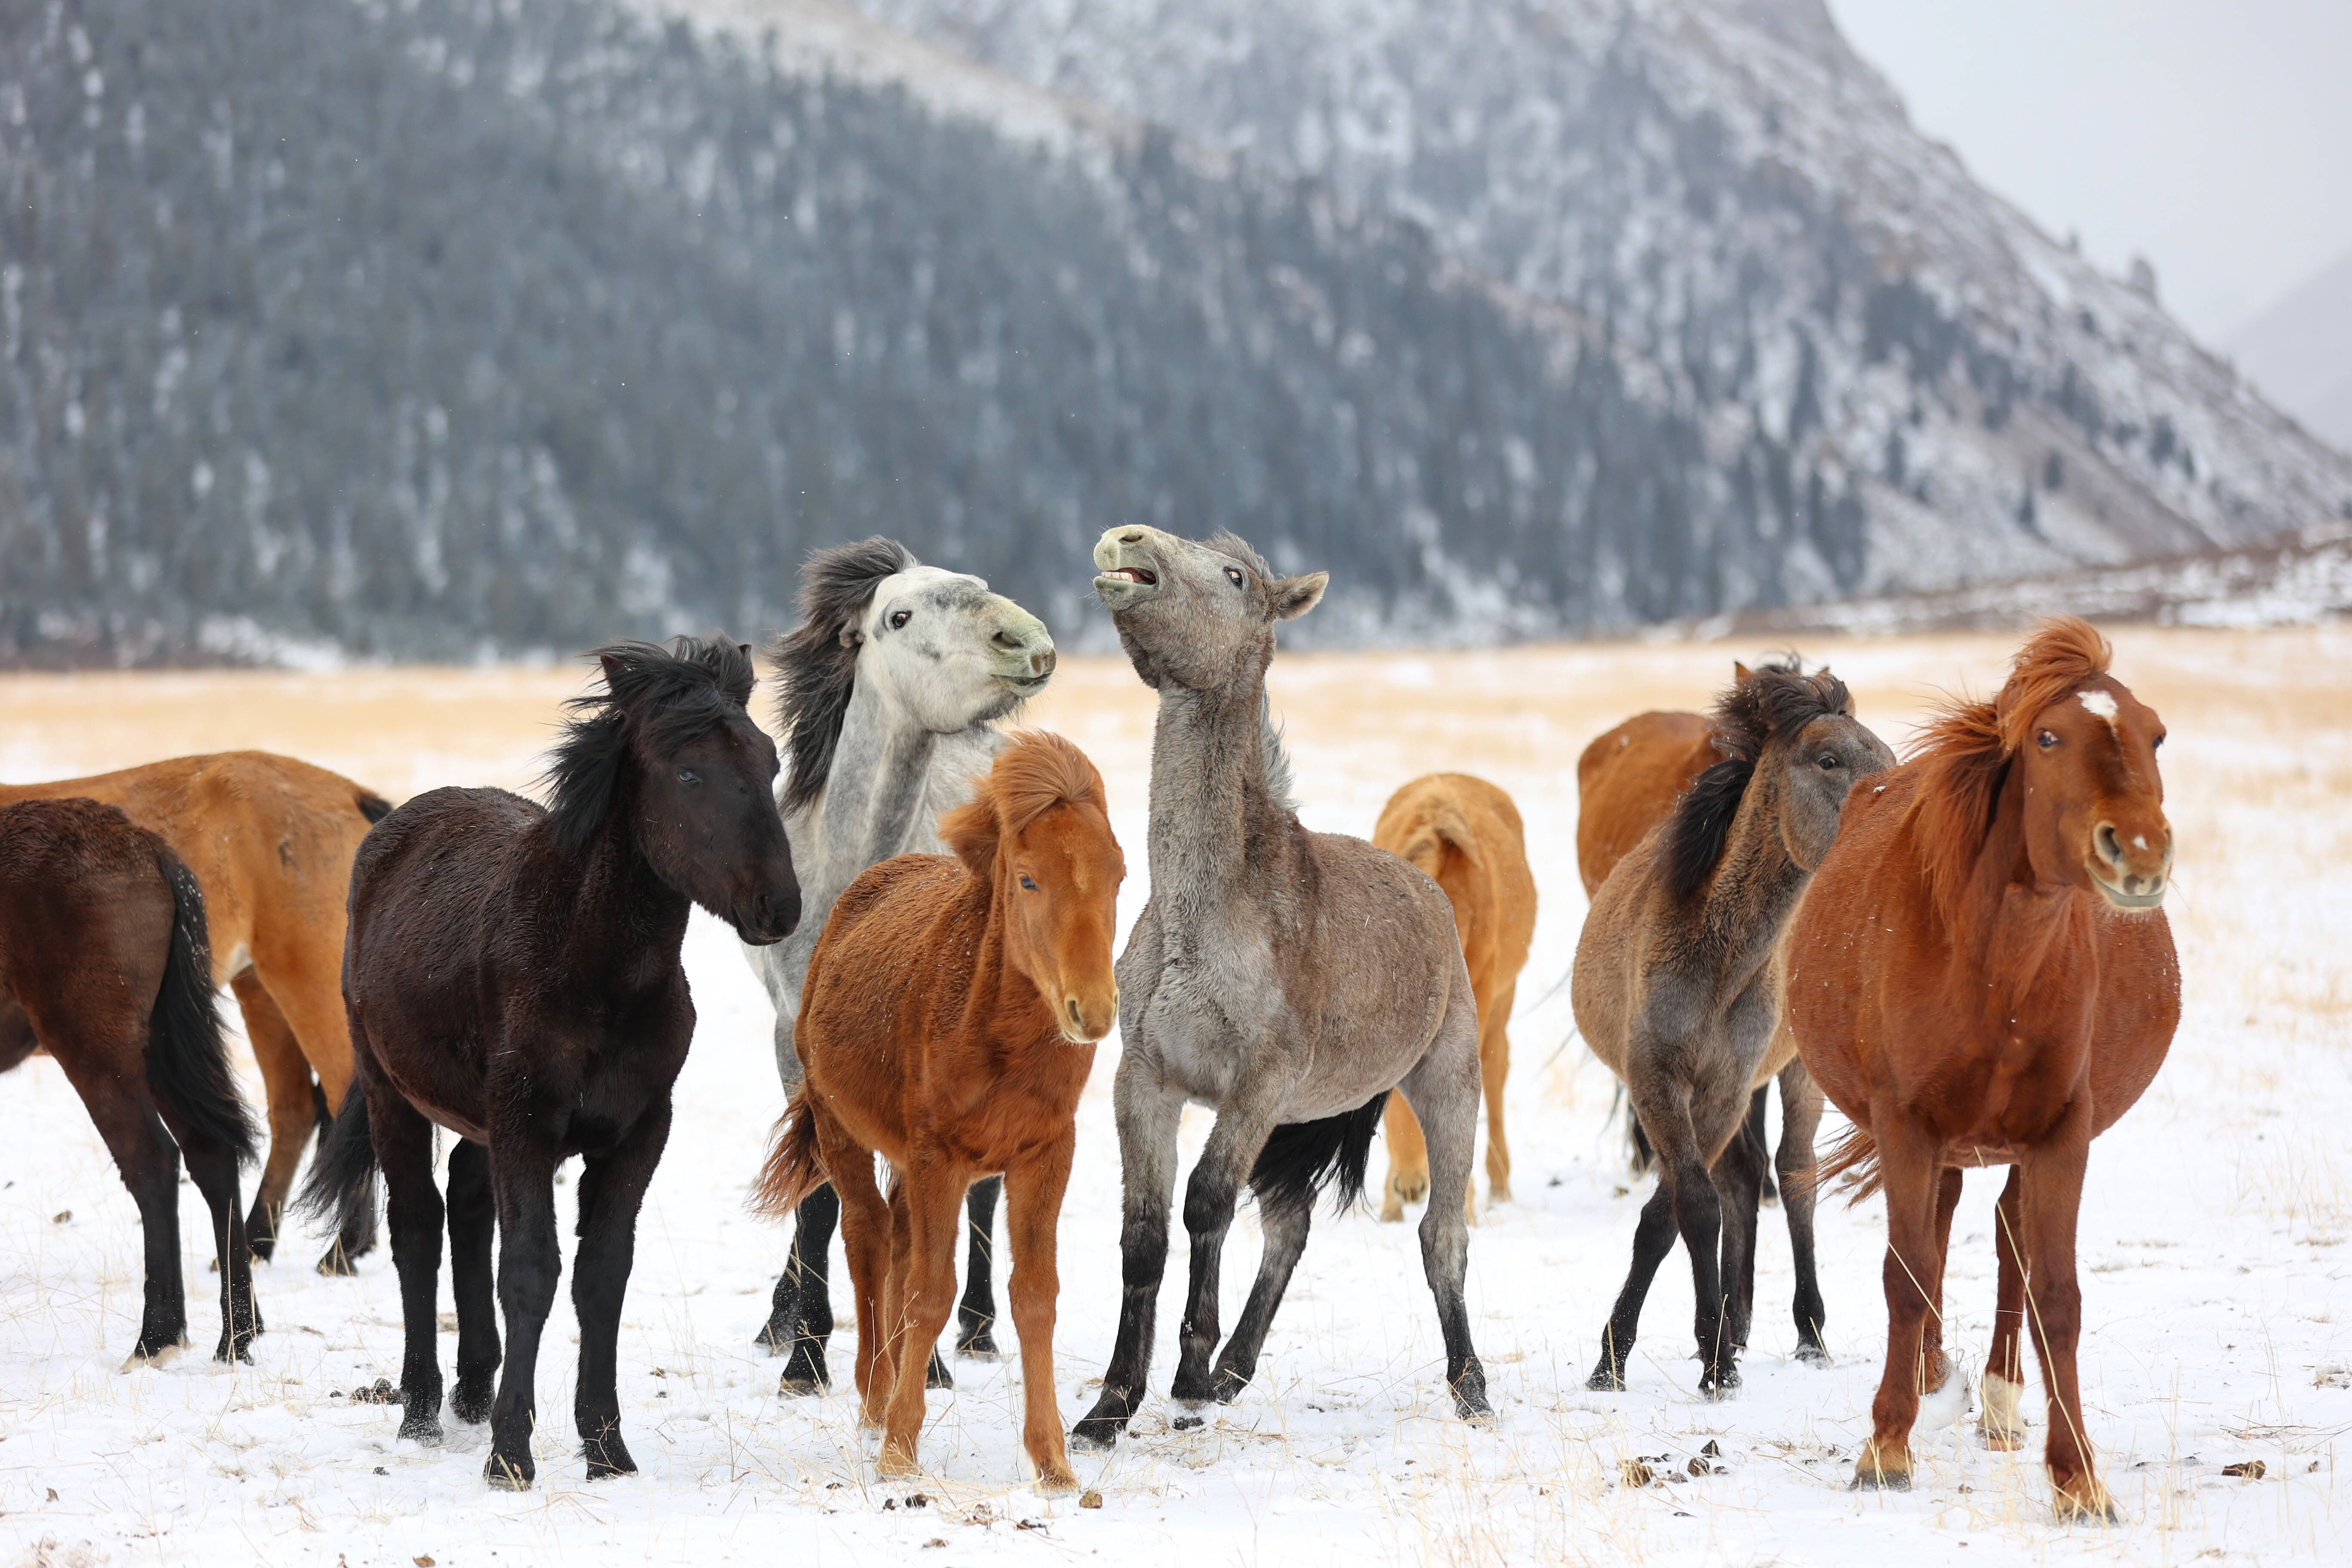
(2214, 137)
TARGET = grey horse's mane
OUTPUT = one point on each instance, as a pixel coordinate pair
(817, 668)
(1278, 782)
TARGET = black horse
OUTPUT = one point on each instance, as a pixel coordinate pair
(512, 974)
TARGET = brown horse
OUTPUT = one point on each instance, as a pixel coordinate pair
(270, 841)
(103, 959)
(948, 1022)
(1981, 976)
(1466, 834)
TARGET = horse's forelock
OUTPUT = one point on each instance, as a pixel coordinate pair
(1037, 772)
(2061, 655)
(675, 692)
(1772, 703)
(1228, 543)
(815, 670)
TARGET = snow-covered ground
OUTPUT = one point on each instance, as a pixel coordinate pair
(2214, 1232)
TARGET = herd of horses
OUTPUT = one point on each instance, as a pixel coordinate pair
(1964, 952)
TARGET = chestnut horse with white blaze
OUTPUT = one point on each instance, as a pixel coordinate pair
(948, 1021)
(1981, 974)
(1466, 834)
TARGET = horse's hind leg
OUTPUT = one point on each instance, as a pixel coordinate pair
(530, 1260)
(2002, 1421)
(1148, 1113)
(293, 1114)
(1494, 1071)
(213, 1168)
(404, 1152)
(800, 1318)
(305, 983)
(1443, 1089)
(1768, 1191)
(1654, 1238)
(1800, 1116)
(1737, 1174)
(611, 1191)
(149, 1164)
(866, 1237)
(473, 1217)
(1408, 1177)
(1284, 1225)
(926, 1207)
(976, 1314)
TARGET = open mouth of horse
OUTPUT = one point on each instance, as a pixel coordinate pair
(1133, 574)
(2124, 901)
(1024, 685)
(1119, 586)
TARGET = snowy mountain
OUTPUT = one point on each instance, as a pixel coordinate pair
(2299, 351)
(435, 328)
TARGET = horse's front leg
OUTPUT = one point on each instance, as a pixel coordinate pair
(1148, 1109)
(530, 1260)
(612, 1191)
(925, 1207)
(1910, 1169)
(1033, 1210)
(2052, 1201)
(1245, 1121)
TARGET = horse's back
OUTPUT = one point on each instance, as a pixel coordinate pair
(882, 948)
(1627, 781)
(1604, 982)
(86, 915)
(423, 882)
(1465, 834)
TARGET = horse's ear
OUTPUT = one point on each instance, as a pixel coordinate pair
(1294, 596)
(613, 665)
(970, 830)
(851, 637)
(1741, 672)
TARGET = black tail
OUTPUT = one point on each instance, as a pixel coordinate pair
(187, 1062)
(372, 806)
(338, 1191)
(1639, 1156)
(1301, 1158)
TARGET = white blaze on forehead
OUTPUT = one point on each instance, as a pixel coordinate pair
(2103, 703)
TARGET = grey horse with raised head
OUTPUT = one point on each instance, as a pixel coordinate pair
(1286, 979)
(1676, 987)
(894, 687)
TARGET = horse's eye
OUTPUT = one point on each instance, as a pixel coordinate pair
(1829, 760)
(687, 775)
(1233, 575)
(1026, 884)
(2152, 745)
(2047, 739)
(899, 618)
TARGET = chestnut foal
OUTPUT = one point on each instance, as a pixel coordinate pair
(949, 1021)
(1981, 976)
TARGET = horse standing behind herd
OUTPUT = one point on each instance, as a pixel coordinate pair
(1966, 952)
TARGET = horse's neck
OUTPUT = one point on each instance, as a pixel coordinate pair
(631, 923)
(1208, 793)
(2007, 920)
(1757, 883)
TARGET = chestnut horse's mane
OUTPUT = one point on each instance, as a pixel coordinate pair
(1965, 750)
(1771, 704)
(1036, 772)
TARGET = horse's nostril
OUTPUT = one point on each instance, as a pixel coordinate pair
(1132, 538)
(2109, 848)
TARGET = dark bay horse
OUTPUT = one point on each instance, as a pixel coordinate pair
(1982, 975)
(1675, 989)
(104, 962)
(1288, 979)
(947, 1023)
(270, 841)
(513, 976)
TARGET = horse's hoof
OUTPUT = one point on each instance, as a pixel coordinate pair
(1230, 1383)
(978, 1341)
(1097, 1434)
(233, 1350)
(1814, 1356)
(791, 1387)
(337, 1263)
(895, 1463)
(1999, 1442)
(1057, 1479)
(1721, 1383)
(471, 1403)
(1470, 1402)
(1606, 1379)
(608, 1457)
(260, 1249)
(1871, 1474)
(2085, 1502)
(510, 1472)
(1188, 1423)
(424, 1426)
(157, 1347)
(937, 1374)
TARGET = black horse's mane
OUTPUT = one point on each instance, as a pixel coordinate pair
(817, 668)
(1771, 704)
(669, 694)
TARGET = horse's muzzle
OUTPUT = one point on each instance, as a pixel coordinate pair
(768, 916)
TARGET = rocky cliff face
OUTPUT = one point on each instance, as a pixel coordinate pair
(440, 327)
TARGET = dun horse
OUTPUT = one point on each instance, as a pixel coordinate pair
(105, 964)
(1285, 978)
(1466, 835)
(947, 1021)
(270, 841)
(893, 686)
(1675, 989)
(1982, 975)
(513, 976)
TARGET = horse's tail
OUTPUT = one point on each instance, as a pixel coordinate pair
(187, 1061)
(795, 1169)
(372, 806)
(1856, 1151)
(1301, 1158)
(1440, 825)
(339, 1191)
